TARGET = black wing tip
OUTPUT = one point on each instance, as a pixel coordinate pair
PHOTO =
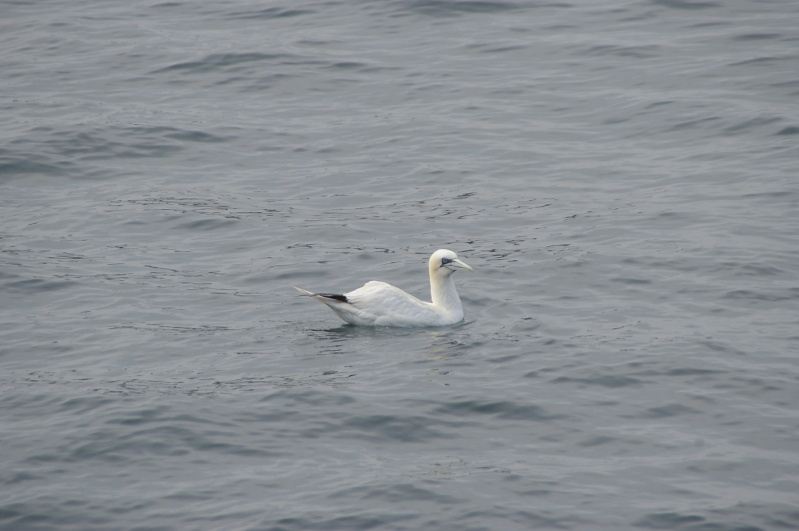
(334, 296)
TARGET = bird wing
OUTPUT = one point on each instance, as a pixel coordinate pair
(390, 305)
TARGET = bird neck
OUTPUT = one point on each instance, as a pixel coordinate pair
(443, 292)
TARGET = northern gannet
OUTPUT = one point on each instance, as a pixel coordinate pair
(380, 304)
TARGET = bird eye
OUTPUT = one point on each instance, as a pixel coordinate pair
(445, 261)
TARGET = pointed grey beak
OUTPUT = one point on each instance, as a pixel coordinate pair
(459, 265)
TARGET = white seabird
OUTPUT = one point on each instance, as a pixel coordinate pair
(380, 304)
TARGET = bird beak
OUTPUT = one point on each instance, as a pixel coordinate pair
(459, 265)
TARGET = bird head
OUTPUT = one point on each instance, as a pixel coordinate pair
(446, 262)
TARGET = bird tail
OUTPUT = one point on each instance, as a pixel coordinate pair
(323, 296)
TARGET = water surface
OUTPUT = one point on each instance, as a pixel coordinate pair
(622, 177)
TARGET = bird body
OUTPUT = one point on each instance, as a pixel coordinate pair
(380, 304)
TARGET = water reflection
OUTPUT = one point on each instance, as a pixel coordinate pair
(340, 339)
(447, 342)
(439, 343)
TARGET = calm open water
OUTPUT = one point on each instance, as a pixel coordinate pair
(622, 175)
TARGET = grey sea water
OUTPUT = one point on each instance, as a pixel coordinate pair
(622, 175)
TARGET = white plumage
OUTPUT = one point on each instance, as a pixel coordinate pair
(379, 304)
